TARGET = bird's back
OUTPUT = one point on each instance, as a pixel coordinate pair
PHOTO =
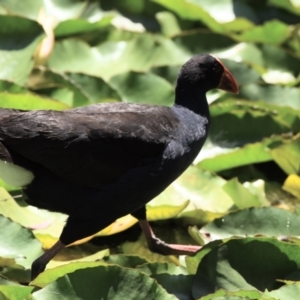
(90, 146)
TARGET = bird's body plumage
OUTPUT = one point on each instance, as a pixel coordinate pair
(103, 161)
(99, 147)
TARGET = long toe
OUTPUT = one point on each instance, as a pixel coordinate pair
(161, 247)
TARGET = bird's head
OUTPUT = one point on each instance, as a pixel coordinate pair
(207, 72)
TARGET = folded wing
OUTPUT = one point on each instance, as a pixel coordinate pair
(92, 145)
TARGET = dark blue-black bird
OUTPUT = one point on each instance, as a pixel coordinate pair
(100, 162)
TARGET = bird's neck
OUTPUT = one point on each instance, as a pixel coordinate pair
(192, 98)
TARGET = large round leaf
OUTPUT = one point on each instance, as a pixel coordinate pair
(19, 38)
(18, 242)
(248, 264)
(108, 282)
(265, 220)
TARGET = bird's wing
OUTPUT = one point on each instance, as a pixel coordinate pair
(92, 145)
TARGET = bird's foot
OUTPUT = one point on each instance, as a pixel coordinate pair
(159, 246)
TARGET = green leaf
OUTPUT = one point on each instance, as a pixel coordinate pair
(80, 26)
(223, 150)
(19, 38)
(72, 55)
(168, 73)
(15, 292)
(67, 253)
(287, 292)
(111, 282)
(10, 87)
(241, 196)
(217, 158)
(238, 25)
(64, 9)
(167, 53)
(268, 221)
(126, 261)
(143, 88)
(222, 294)
(178, 285)
(239, 295)
(29, 101)
(4, 281)
(141, 249)
(27, 8)
(169, 197)
(168, 22)
(155, 268)
(18, 243)
(13, 272)
(274, 94)
(287, 155)
(50, 275)
(139, 54)
(282, 66)
(63, 95)
(247, 53)
(292, 185)
(164, 212)
(290, 5)
(43, 222)
(224, 11)
(246, 264)
(273, 32)
(282, 115)
(115, 57)
(198, 217)
(96, 89)
(192, 262)
(132, 7)
(58, 86)
(191, 11)
(10, 209)
(210, 42)
(263, 123)
(204, 190)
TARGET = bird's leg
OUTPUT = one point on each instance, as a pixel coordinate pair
(40, 263)
(157, 245)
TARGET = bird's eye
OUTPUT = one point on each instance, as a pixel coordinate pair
(217, 68)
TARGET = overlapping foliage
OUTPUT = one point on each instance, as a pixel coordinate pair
(243, 190)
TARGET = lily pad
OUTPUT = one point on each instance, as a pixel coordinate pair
(112, 282)
(19, 38)
(269, 221)
(18, 243)
(246, 264)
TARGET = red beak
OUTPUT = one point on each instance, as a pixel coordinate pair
(228, 83)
